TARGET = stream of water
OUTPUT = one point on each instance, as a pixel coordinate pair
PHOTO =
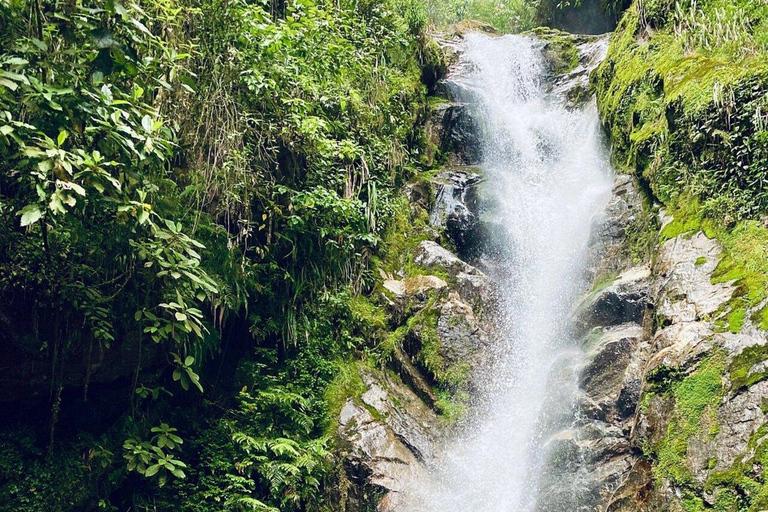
(547, 179)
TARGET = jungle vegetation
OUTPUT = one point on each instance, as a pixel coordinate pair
(196, 198)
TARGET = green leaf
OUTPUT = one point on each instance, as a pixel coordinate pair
(8, 84)
(141, 27)
(152, 470)
(119, 9)
(30, 214)
(62, 137)
(147, 124)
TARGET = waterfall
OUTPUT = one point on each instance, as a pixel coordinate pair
(547, 179)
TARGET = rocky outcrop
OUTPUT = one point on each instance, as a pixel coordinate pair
(623, 300)
(677, 396)
(594, 456)
(457, 207)
(385, 436)
(457, 133)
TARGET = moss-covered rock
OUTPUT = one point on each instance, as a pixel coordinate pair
(560, 49)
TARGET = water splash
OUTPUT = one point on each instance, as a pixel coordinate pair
(547, 178)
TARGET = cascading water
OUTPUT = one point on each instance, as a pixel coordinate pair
(547, 178)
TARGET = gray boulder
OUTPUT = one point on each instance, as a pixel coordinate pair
(625, 300)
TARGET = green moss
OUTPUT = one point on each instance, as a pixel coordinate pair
(695, 396)
(677, 98)
(347, 384)
(740, 369)
(560, 49)
(686, 219)
(452, 406)
(424, 324)
(364, 312)
(701, 260)
(760, 318)
(692, 503)
(407, 228)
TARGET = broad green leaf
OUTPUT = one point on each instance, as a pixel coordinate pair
(146, 123)
(8, 84)
(30, 214)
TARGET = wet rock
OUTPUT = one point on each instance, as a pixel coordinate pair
(607, 253)
(572, 85)
(430, 254)
(460, 334)
(456, 206)
(623, 301)
(632, 493)
(611, 390)
(584, 466)
(459, 134)
(478, 290)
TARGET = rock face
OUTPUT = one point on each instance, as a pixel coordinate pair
(387, 434)
(457, 206)
(385, 437)
(672, 410)
(595, 456)
(458, 133)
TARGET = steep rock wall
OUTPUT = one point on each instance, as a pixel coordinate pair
(679, 109)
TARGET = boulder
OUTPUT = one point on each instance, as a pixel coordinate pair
(430, 254)
(459, 332)
(624, 300)
(414, 286)
(478, 290)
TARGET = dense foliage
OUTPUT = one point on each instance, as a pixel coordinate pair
(505, 15)
(191, 193)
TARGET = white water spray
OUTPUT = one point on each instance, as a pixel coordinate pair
(547, 178)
